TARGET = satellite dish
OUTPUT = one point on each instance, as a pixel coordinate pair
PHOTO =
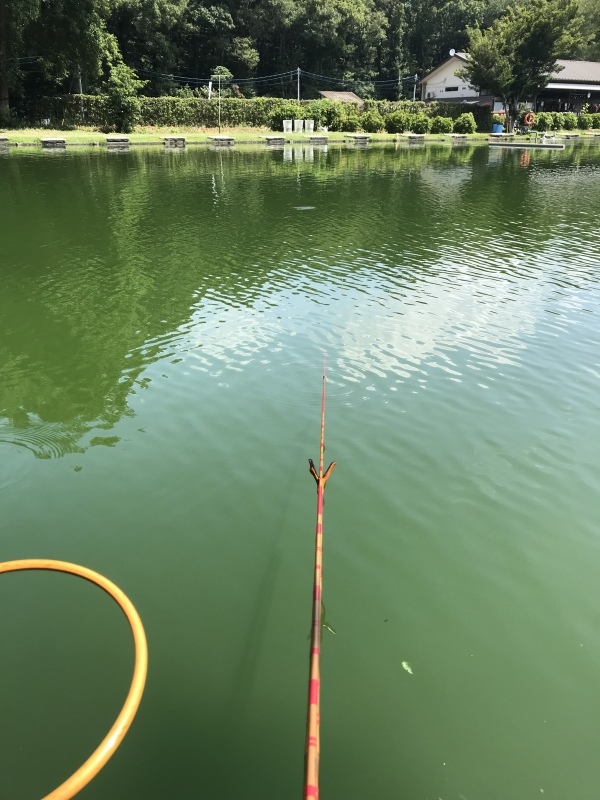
(452, 52)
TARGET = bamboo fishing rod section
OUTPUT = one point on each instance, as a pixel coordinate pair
(114, 737)
(311, 775)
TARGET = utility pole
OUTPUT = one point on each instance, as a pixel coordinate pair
(415, 88)
(298, 72)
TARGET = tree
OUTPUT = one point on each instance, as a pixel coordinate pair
(590, 10)
(123, 104)
(434, 26)
(515, 57)
(71, 38)
(15, 15)
(208, 34)
(147, 32)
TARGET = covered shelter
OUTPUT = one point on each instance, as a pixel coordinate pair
(572, 87)
(343, 97)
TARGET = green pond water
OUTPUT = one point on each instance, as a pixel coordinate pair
(164, 318)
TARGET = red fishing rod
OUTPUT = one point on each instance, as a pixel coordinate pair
(311, 776)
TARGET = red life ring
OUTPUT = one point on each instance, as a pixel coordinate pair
(529, 118)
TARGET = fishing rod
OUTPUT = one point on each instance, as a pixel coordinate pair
(311, 775)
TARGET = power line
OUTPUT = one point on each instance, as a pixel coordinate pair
(357, 80)
(280, 76)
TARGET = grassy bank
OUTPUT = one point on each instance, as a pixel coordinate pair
(93, 136)
(151, 135)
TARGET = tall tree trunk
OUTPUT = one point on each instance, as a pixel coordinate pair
(4, 102)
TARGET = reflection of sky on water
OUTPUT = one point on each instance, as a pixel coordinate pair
(439, 270)
(371, 324)
(446, 182)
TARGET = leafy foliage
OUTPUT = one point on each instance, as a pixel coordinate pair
(321, 111)
(283, 111)
(420, 123)
(73, 44)
(397, 122)
(465, 123)
(515, 57)
(15, 16)
(123, 104)
(372, 121)
(442, 125)
(193, 111)
(544, 121)
(590, 11)
(344, 118)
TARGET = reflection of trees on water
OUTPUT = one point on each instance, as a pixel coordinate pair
(106, 258)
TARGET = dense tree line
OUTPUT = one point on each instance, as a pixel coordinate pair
(56, 46)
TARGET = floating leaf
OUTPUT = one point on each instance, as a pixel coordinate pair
(406, 666)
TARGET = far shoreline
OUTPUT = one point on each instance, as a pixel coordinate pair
(20, 137)
(150, 137)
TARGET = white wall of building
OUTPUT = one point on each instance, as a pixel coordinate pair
(443, 84)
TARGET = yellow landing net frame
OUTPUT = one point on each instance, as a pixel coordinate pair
(114, 737)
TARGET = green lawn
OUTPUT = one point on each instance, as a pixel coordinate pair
(154, 134)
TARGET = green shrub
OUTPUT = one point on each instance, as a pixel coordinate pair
(397, 122)
(596, 121)
(283, 111)
(498, 119)
(584, 122)
(465, 123)
(372, 121)
(442, 125)
(420, 123)
(344, 117)
(386, 107)
(322, 111)
(173, 111)
(482, 114)
(350, 121)
(569, 121)
(558, 120)
(544, 121)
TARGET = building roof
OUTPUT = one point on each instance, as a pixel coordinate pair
(342, 97)
(573, 87)
(458, 55)
(584, 75)
(576, 72)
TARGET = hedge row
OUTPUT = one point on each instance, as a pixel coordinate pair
(481, 114)
(255, 112)
(565, 121)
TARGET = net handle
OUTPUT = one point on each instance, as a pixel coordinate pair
(114, 737)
